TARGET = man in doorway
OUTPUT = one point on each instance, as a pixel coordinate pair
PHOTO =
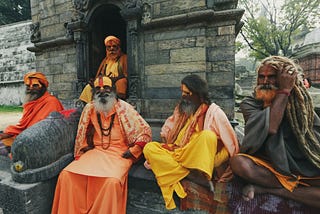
(280, 152)
(114, 66)
(38, 105)
(111, 136)
(196, 139)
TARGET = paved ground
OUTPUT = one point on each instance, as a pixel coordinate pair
(9, 119)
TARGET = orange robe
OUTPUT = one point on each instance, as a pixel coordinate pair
(33, 112)
(96, 182)
(110, 68)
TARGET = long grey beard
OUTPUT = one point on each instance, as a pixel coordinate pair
(32, 96)
(187, 107)
(104, 104)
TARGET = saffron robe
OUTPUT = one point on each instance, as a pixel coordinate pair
(33, 112)
(96, 182)
(111, 69)
(205, 150)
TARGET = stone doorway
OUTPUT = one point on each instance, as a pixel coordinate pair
(104, 21)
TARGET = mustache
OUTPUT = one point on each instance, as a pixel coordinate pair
(103, 103)
(266, 87)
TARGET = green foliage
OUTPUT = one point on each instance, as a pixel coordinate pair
(4, 108)
(14, 11)
(269, 29)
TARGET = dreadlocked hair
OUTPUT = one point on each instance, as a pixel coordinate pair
(299, 110)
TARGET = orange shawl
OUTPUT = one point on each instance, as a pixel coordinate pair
(34, 111)
(133, 126)
(180, 121)
(106, 64)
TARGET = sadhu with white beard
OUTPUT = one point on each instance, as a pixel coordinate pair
(280, 152)
(197, 140)
(111, 136)
(38, 104)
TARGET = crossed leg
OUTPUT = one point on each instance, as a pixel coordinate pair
(261, 180)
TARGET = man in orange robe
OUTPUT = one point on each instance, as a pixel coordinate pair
(38, 105)
(111, 136)
(114, 66)
(196, 139)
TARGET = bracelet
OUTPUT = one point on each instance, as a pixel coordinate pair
(286, 92)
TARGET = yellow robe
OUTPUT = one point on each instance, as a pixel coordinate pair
(170, 167)
(205, 150)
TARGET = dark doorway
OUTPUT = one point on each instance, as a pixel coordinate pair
(106, 20)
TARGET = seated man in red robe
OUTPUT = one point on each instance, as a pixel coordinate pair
(38, 105)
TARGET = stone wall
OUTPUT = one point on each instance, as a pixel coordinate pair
(166, 40)
(15, 61)
(184, 37)
(55, 51)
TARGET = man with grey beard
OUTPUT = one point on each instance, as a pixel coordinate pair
(197, 140)
(280, 152)
(111, 136)
(38, 105)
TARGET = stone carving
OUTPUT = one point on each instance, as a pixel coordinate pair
(133, 87)
(146, 13)
(44, 149)
(132, 9)
(69, 32)
(35, 32)
(130, 4)
(81, 5)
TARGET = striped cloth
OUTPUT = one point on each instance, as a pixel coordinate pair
(201, 198)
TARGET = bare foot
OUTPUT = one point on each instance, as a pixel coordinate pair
(248, 192)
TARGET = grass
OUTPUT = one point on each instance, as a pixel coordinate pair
(5, 108)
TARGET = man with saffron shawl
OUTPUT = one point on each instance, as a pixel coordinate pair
(111, 136)
(280, 152)
(197, 138)
(114, 66)
(38, 105)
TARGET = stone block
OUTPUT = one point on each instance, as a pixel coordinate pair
(226, 30)
(156, 57)
(195, 54)
(175, 68)
(17, 198)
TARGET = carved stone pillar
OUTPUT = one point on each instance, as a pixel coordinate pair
(79, 30)
(132, 15)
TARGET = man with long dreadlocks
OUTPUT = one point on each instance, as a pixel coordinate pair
(280, 152)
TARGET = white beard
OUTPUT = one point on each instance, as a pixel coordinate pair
(104, 107)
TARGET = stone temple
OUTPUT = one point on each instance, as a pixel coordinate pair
(165, 40)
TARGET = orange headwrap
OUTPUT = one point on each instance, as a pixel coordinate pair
(37, 75)
(113, 39)
(102, 81)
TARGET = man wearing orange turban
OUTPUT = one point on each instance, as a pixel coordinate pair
(38, 105)
(114, 66)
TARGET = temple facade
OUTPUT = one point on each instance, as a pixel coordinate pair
(165, 40)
